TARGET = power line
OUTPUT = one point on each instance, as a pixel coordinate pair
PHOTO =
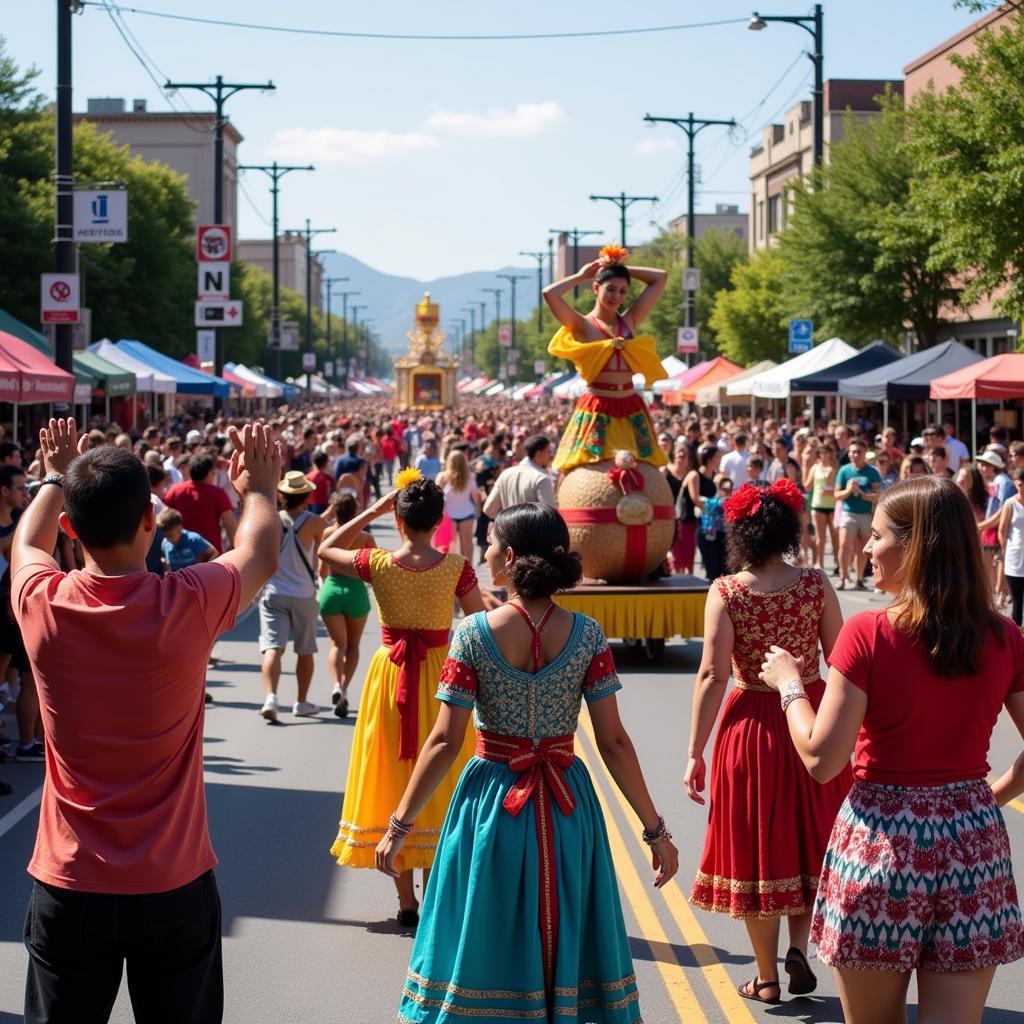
(418, 37)
(251, 201)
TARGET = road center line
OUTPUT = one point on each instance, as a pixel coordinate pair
(16, 813)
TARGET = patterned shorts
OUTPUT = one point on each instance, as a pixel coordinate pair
(918, 877)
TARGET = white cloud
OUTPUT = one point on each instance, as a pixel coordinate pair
(522, 121)
(656, 147)
(346, 145)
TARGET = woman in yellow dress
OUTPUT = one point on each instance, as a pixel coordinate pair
(415, 588)
(610, 415)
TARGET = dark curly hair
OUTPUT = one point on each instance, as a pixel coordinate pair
(420, 505)
(774, 529)
(540, 539)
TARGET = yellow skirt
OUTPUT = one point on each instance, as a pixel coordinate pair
(600, 426)
(377, 778)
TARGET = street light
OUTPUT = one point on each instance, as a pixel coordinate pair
(624, 202)
(539, 257)
(329, 283)
(471, 310)
(355, 323)
(344, 334)
(576, 234)
(309, 232)
(496, 292)
(811, 23)
(512, 361)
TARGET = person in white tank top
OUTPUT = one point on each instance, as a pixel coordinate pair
(1011, 539)
(461, 499)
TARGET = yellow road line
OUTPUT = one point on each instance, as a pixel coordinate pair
(1017, 805)
(681, 995)
(714, 972)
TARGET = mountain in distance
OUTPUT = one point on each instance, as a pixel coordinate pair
(390, 300)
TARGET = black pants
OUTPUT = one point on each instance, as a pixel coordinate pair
(1016, 585)
(78, 943)
(712, 554)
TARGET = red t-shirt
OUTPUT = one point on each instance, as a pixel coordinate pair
(201, 506)
(388, 448)
(323, 483)
(120, 665)
(920, 728)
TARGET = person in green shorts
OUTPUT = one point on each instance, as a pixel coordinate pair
(344, 605)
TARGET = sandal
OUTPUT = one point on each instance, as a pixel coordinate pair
(801, 978)
(408, 918)
(757, 986)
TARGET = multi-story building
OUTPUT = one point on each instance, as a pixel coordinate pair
(182, 141)
(727, 217)
(980, 327)
(786, 150)
(258, 252)
(569, 258)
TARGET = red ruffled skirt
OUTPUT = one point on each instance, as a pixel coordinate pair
(768, 820)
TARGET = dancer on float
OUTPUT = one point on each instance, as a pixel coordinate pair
(415, 588)
(768, 822)
(610, 415)
(521, 918)
(918, 875)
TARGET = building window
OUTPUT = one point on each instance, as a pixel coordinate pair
(774, 214)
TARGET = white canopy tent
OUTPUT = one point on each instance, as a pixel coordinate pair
(265, 388)
(146, 378)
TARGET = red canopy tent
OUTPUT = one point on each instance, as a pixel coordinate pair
(247, 387)
(702, 375)
(27, 376)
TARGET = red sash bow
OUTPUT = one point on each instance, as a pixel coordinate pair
(635, 560)
(408, 651)
(540, 774)
(627, 479)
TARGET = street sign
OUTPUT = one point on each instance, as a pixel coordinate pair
(219, 314)
(101, 215)
(687, 339)
(213, 243)
(59, 298)
(505, 335)
(309, 361)
(289, 336)
(513, 357)
(539, 366)
(206, 346)
(801, 336)
(691, 279)
(214, 281)
(328, 367)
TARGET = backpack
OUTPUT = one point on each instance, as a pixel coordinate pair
(712, 519)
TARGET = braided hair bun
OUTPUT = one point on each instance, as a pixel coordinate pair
(538, 536)
(420, 505)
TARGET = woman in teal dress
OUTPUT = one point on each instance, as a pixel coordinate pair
(521, 918)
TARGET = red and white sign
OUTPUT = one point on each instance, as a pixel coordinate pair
(219, 314)
(539, 366)
(687, 339)
(505, 335)
(309, 361)
(213, 243)
(59, 298)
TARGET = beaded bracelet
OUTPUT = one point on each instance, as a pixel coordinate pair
(399, 828)
(790, 697)
(659, 832)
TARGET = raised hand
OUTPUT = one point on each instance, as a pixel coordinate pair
(60, 445)
(256, 460)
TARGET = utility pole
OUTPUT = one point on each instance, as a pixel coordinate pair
(329, 283)
(575, 234)
(64, 177)
(220, 92)
(471, 310)
(483, 320)
(513, 361)
(693, 126)
(624, 202)
(539, 257)
(460, 342)
(551, 259)
(309, 232)
(275, 172)
(355, 323)
(344, 335)
(496, 292)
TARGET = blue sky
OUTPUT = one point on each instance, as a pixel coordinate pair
(441, 157)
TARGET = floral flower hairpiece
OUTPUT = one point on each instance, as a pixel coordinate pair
(406, 477)
(613, 254)
(747, 500)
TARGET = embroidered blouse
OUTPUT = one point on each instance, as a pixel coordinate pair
(512, 702)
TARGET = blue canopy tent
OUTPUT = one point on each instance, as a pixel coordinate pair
(826, 382)
(187, 380)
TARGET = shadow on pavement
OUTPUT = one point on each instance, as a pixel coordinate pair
(10, 1018)
(234, 766)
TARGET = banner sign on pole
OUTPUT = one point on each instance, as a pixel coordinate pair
(801, 336)
(219, 314)
(505, 335)
(539, 366)
(206, 344)
(213, 243)
(59, 298)
(329, 368)
(214, 281)
(101, 215)
(687, 339)
(691, 279)
(308, 361)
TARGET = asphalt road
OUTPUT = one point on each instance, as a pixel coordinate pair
(306, 941)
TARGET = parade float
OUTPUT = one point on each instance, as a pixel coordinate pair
(425, 376)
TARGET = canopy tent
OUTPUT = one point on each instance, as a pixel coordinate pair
(679, 379)
(673, 365)
(115, 382)
(992, 379)
(187, 381)
(12, 325)
(246, 388)
(319, 387)
(715, 394)
(29, 376)
(717, 369)
(777, 382)
(146, 377)
(909, 379)
(274, 388)
(571, 388)
(826, 381)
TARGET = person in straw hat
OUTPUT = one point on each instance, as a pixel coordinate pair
(288, 607)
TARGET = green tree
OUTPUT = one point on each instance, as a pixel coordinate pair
(857, 246)
(969, 142)
(750, 318)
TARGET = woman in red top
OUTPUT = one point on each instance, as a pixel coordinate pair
(917, 875)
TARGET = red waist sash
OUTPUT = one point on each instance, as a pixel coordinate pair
(635, 560)
(409, 651)
(540, 774)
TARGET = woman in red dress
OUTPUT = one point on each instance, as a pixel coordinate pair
(769, 822)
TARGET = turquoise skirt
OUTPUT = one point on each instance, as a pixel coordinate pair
(478, 946)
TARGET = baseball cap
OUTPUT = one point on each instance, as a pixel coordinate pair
(193, 436)
(917, 442)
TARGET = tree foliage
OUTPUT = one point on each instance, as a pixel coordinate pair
(858, 251)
